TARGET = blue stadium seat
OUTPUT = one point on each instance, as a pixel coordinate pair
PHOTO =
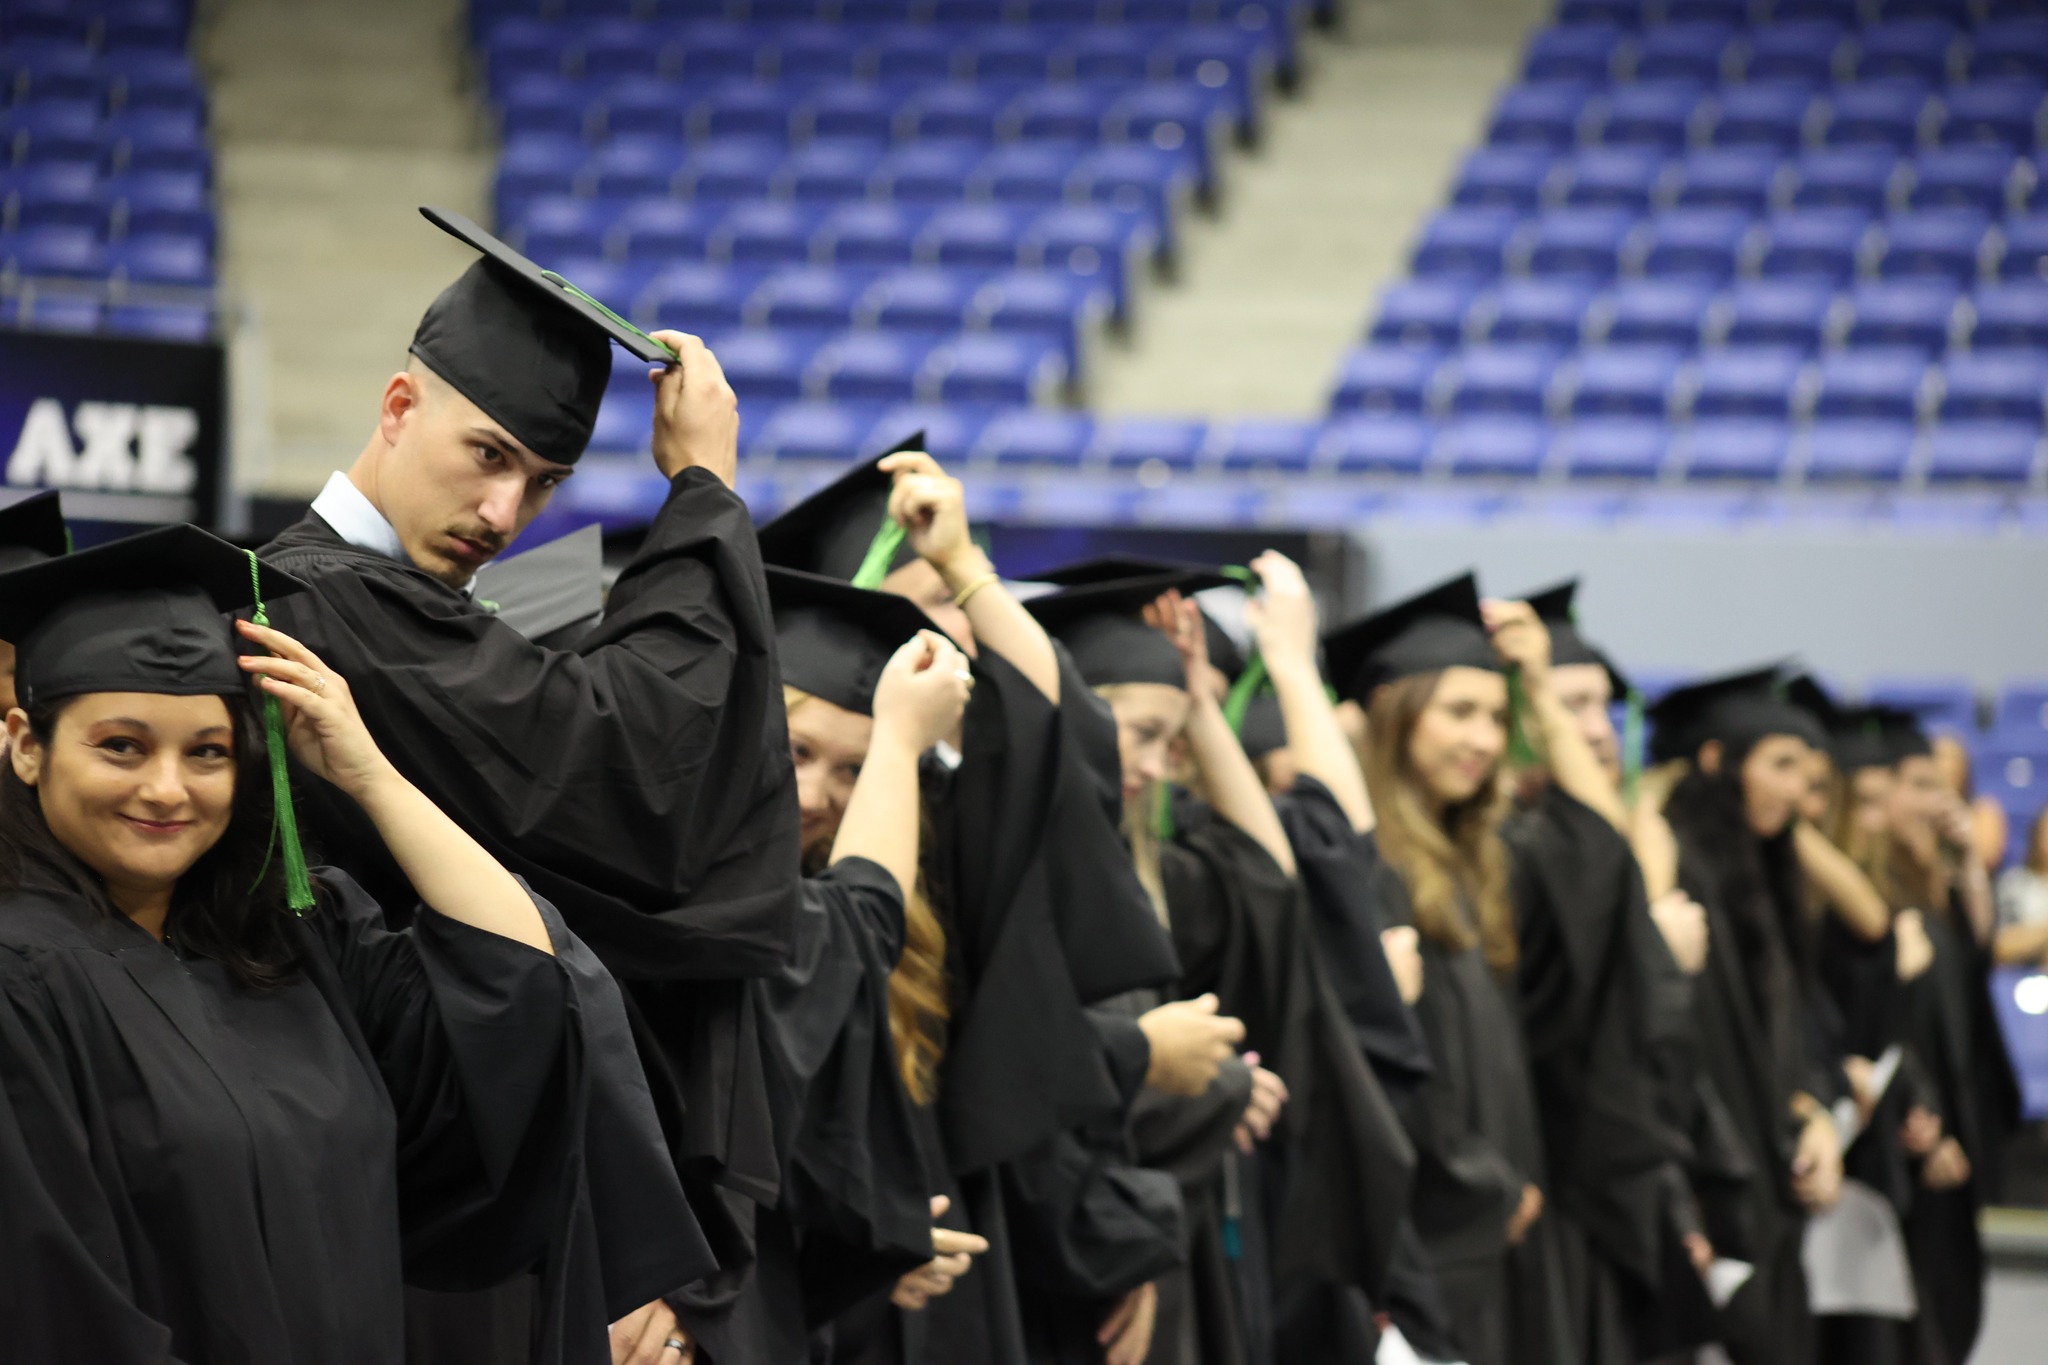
(1695, 244)
(160, 201)
(1429, 312)
(1914, 49)
(1009, 53)
(1937, 243)
(2010, 314)
(741, 108)
(1112, 52)
(867, 233)
(610, 50)
(1649, 114)
(1220, 58)
(813, 431)
(921, 298)
(625, 421)
(537, 165)
(1694, 51)
(1884, 113)
(663, 229)
(516, 49)
(1769, 114)
(1881, 382)
(1949, 702)
(63, 313)
(1494, 446)
(638, 106)
(556, 227)
(1382, 379)
(162, 258)
(1618, 13)
(955, 109)
(1857, 178)
(53, 130)
(1907, 312)
(1503, 177)
(1726, 178)
(814, 53)
(984, 235)
(2023, 708)
(709, 51)
(63, 252)
(553, 104)
(1613, 448)
(1581, 243)
(1168, 116)
(1800, 51)
(64, 72)
(829, 169)
(1532, 312)
(766, 367)
(1574, 52)
(59, 194)
(163, 82)
(1962, 178)
(2015, 775)
(1653, 313)
(1753, 382)
(1499, 380)
(1858, 451)
(868, 366)
(1058, 113)
(695, 297)
(1090, 240)
(765, 232)
(819, 296)
(1035, 437)
(1129, 442)
(2004, 113)
(1623, 381)
(617, 284)
(161, 322)
(1775, 313)
(849, 109)
(1375, 443)
(50, 21)
(912, 52)
(1127, 176)
(950, 429)
(1742, 448)
(1252, 444)
(730, 168)
(2010, 48)
(1994, 386)
(1050, 302)
(1545, 115)
(1982, 452)
(1024, 172)
(2026, 248)
(928, 172)
(1813, 244)
(1464, 242)
(634, 166)
(1612, 177)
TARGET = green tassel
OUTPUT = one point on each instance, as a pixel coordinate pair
(881, 554)
(572, 290)
(284, 819)
(70, 545)
(1632, 738)
(1245, 577)
(1521, 753)
(1162, 811)
(1248, 685)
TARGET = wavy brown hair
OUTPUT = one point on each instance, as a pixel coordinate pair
(918, 1006)
(1456, 867)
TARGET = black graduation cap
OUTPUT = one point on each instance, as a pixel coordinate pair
(1263, 728)
(145, 614)
(834, 639)
(32, 530)
(831, 531)
(1554, 607)
(1103, 627)
(1433, 630)
(525, 345)
(1738, 709)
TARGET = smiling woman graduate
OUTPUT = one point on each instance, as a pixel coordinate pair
(236, 1110)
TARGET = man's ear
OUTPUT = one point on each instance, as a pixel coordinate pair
(23, 750)
(404, 393)
(1710, 757)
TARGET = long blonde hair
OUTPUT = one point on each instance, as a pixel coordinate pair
(1141, 826)
(918, 1007)
(1446, 864)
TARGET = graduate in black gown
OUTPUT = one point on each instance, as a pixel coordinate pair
(1043, 919)
(1596, 980)
(1747, 756)
(31, 531)
(640, 781)
(1437, 711)
(1332, 1181)
(236, 1106)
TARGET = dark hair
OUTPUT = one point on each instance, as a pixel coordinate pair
(1753, 880)
(230, 906)
(2034, 858)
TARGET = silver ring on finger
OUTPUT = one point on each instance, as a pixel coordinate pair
(320, 684)
(676, 1344)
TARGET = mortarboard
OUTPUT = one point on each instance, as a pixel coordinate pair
(1262, 728)
(1568, 647)
(1431, 631)
(548, 588)
(525, 345)
(833, 639)
(32, 530)
(832, 531)
(1737, 709)
(1102, 626)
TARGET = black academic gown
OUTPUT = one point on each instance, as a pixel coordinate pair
(1336, 1173)
(640, 782)
(196, 1174)
(1591, 963)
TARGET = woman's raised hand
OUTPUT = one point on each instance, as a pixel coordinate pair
(322, 725)
(931, 507)
(1180, 620)
(923, 690)
(1283, 615)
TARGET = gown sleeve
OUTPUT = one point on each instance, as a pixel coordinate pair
(63, 1237)
(522, 1115)
(648, 768)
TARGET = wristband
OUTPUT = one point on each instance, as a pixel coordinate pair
(960, 598)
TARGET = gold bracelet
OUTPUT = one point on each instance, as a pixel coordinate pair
(960, 598)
